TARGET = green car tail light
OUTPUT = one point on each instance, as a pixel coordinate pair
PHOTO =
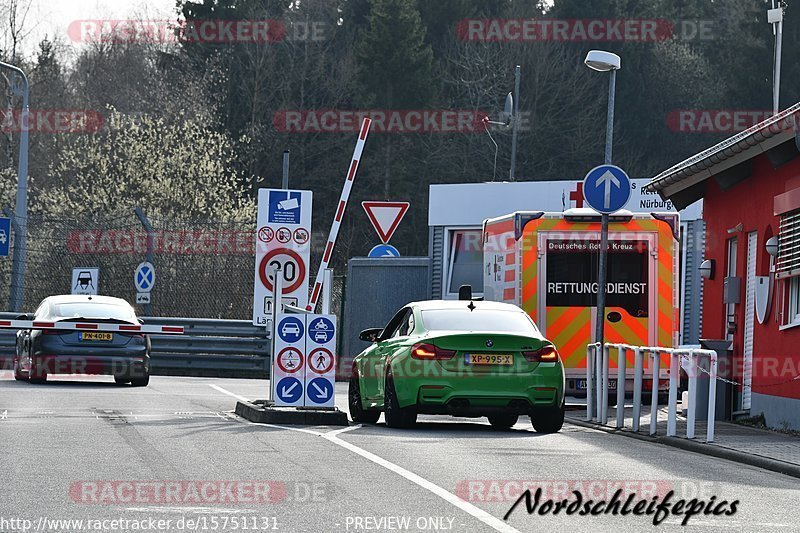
(545, 354)
(427, 351)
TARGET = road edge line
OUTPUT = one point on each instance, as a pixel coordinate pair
(476, 512)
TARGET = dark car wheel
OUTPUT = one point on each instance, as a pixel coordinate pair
(37, 373)
(357, 411)
(396, 416)
(547, 419)
(141, 382)
(504, 421)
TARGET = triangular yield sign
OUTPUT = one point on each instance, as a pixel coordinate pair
(385, 217)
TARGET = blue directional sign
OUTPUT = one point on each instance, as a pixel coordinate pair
(319, 390)
(289, 390)
(384, 250)
(321, 330)
(145, 277)
(5, 236)
(607, 188)
(291, 329)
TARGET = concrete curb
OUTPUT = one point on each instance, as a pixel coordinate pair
(262, 414)
(714, 450)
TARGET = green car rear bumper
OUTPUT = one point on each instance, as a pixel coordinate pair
(434, 390)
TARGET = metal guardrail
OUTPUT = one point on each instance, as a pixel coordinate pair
(598, 366)
(233, 348)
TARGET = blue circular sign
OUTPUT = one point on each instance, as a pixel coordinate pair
(607, 188)
(289, 390)
(321, 330)
(291, 329)
(145, 277)
(384, 250)
(319, 390)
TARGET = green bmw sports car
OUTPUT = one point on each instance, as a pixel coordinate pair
(462, 358)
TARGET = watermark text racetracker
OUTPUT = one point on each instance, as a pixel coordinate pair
(386, 121)
(197, 31)
(203, 522)
(51, 121)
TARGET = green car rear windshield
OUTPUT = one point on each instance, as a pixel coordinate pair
(478, 320)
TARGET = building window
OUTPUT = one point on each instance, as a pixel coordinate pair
(788, 268)
(465, 265)
(793, 314)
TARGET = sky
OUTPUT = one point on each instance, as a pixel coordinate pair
(51, 18)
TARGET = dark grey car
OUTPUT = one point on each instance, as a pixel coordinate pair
(41, 352)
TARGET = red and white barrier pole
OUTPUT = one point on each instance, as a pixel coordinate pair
(337, 219)
(90, 326)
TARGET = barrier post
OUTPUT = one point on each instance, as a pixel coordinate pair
(598, 376)
(712, 397)
(637, 387)
(691, 414)
(656, 367)
(589, 383)
(604, 417)
(672, 408)
(622, 353)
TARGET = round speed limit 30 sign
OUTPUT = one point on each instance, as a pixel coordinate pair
(293, 269)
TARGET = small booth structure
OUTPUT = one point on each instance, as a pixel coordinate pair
(750, 186)
(455, 219)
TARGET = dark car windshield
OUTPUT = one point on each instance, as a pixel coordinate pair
(479, 320)
(94, 310)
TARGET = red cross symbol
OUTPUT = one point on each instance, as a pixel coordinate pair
(641, 247)
(577, 194)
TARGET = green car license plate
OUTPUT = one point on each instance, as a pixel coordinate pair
(488, 359)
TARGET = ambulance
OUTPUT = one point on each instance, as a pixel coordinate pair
(547, 264)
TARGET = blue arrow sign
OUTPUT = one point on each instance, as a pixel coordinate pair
(5, 236)
(319, 390)
(384, 250)
(289, 390)
(607, 188)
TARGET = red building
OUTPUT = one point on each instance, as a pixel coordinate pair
(750, 184)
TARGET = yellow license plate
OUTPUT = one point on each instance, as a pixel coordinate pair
(96, 336)
(489, 359)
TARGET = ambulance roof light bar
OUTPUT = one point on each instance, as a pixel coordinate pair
(584, 214)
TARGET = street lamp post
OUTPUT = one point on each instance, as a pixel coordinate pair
(604, 62)
(21, 210)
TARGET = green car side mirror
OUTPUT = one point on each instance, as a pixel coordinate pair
(370, 335)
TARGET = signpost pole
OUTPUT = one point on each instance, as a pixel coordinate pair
(601, 275)
(327, 291)
(285, 182)
(148, 307)
(272, 328)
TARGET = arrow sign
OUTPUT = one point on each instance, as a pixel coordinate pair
(320, 390)
(288, 390)
(607, 188)
(385, 217)
(608, 178)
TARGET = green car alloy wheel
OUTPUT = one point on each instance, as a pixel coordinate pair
(459, 358)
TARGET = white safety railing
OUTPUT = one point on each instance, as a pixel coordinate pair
(597, 393)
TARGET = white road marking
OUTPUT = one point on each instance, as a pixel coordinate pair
(491, 521)
(4, 415)
(229, 393)
(336, 432)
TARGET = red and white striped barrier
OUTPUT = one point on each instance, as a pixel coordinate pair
(91, 326)
(337, 219)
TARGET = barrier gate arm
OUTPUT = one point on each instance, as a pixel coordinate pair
(337, 219)
(91, 326)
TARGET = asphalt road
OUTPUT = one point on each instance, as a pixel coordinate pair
(87, 449)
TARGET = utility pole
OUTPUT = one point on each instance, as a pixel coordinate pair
(775, 17)
(513, 173)
(21, 211)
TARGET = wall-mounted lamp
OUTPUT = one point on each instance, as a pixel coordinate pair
(707, 269)
(772, 246)
(736, 229)
(765, 284)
